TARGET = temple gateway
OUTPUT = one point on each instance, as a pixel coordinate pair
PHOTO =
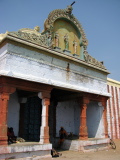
(49, 80)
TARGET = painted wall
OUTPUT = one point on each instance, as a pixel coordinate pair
(3, 51)
(68, 116)
(50, 69)
(13, 113)
(113, 109)
(63, 27)
(95, 120)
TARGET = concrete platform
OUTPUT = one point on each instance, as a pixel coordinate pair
(92, 144)
(25, 150)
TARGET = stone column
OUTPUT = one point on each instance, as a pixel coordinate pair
(104, 104)
(83, 134)
(44, 130)
(4, 97)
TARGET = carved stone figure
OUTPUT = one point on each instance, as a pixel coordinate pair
(37, 29)
(56, 39)
(69, 9)
(75, 46)
(85, 43)
(49, 40)
(67, 14)
(46, 24)
(66, 42)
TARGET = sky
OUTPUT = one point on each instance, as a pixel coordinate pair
(99, 18)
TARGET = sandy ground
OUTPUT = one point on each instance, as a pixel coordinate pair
(110, 154)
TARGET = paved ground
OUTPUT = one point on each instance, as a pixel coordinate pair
(110, 154)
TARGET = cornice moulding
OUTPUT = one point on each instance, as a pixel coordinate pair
(46, 49)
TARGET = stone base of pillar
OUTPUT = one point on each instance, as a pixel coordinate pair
(83, 133)
(83, 138)
(26, 151)
(3, 140)
(44, 136)
(106, 135)
(3, 135)
(92, 144)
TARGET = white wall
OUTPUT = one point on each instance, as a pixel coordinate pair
(76, 117)
(67, 115)
(49, 69)
(13, 113)
(95, 120)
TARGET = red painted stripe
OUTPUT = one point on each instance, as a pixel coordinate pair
(110, 112)
(117, 106)
(114, 112)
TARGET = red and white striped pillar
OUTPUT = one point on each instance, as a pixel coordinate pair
(44, 129)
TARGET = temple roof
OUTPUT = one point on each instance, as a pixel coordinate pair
(62, 33)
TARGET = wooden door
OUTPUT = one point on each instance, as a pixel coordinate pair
(30, 122)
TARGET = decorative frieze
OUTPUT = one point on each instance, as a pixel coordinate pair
(64, 13)
(32, 37)
(93, 61)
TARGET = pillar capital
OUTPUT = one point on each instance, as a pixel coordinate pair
(104, 101)
(85, 100)
(4, 96)
(7, 89)
(46, 101)
(44, 94)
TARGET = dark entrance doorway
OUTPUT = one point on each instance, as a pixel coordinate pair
(30, 119)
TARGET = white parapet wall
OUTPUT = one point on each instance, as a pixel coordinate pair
(49, 69)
